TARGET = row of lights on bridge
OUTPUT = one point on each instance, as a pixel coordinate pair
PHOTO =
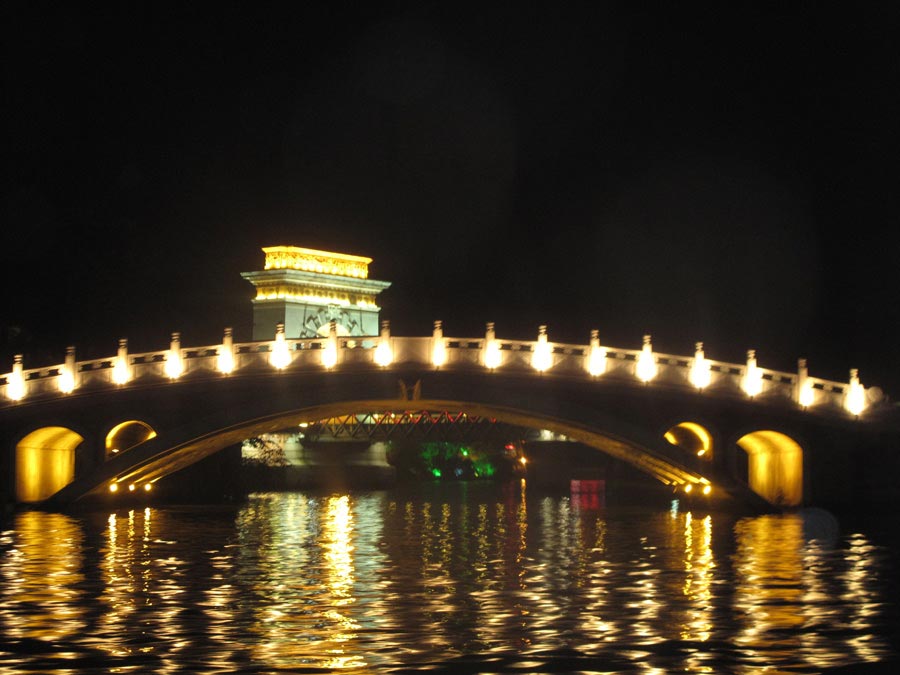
(541, 360)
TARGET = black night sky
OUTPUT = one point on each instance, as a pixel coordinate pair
(695, 173)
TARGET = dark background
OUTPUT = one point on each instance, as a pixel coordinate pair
(695, 172)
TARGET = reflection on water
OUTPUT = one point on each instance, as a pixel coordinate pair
(398, 579)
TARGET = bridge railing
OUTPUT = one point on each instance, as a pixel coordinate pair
(593, 361)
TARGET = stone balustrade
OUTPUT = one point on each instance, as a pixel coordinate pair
(541, 357)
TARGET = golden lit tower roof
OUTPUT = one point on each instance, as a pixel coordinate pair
(321, 262)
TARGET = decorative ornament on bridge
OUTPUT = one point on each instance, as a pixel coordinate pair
(15, 381)
(856, 394)
(806, 394)
(225, 356)
(646, 363)
(330, 350)
(438, 346)
(174, 362)
(384, 355)
(596, 364)
(67, 372)
(542, 356)
(121, 372)
(752, 380)
(280, 357)
(491, 353)
(700, 375)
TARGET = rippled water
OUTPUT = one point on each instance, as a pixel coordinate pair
(472, 577)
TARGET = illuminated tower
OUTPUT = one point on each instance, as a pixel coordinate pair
(306, 289)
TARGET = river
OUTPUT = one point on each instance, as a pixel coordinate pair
(443, 577)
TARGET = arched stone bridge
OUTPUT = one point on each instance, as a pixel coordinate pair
(79, 429)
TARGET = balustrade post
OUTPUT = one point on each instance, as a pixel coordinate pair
(596, 360)
(121, 372)
(855, 399)
(67, 372)
(700, 376)
(330, 352)
(646, 364)
(384, 355)
(752, 383)
(491, 348)
(280, 356)
(174, 360)
(438, 347)
(225, 357)
(15, 383)
(542, 356)
(804, 393)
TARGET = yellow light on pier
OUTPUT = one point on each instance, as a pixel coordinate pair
(752, 382)
(542, 356)
(646, 363)
(491, 347)
(148, 487)
(120, 374)
(174, 364)
(596, 356)
(225, 357)
(131, 487)
(67, 372)
(113, 487)
(330, 352)
(15, 381)
(707, 489)
(688, 488)
(438, 346)
(856, 394)
(700, 375)
(384, 355)
(280, 357)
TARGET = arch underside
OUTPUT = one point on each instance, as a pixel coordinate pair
(775, 467)
(149, 462)
(45, 462)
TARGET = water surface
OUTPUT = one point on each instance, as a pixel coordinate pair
(475, 576)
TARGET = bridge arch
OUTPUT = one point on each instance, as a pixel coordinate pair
(127, 435)
(694, 438)
(774, 466)
(159, 457)
(45, 462)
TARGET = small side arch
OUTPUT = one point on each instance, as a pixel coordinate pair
(127, 435)
(693, 438)
(45, 463)
(775, 466)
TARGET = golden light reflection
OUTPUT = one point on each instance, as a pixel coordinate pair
(40, 596)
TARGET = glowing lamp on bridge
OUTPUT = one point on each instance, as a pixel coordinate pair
(646, 362)
(856, 394)
(752, 382)
(806, 395)
(491, 347)
(174, 364)
(330, 351)
(67, 372)
(281, 356)
(542, 356)
(596, 364)
(120, 374)
(700, 375)
(384, 356)
(225, 357)
(15, 381)
(438, 347)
